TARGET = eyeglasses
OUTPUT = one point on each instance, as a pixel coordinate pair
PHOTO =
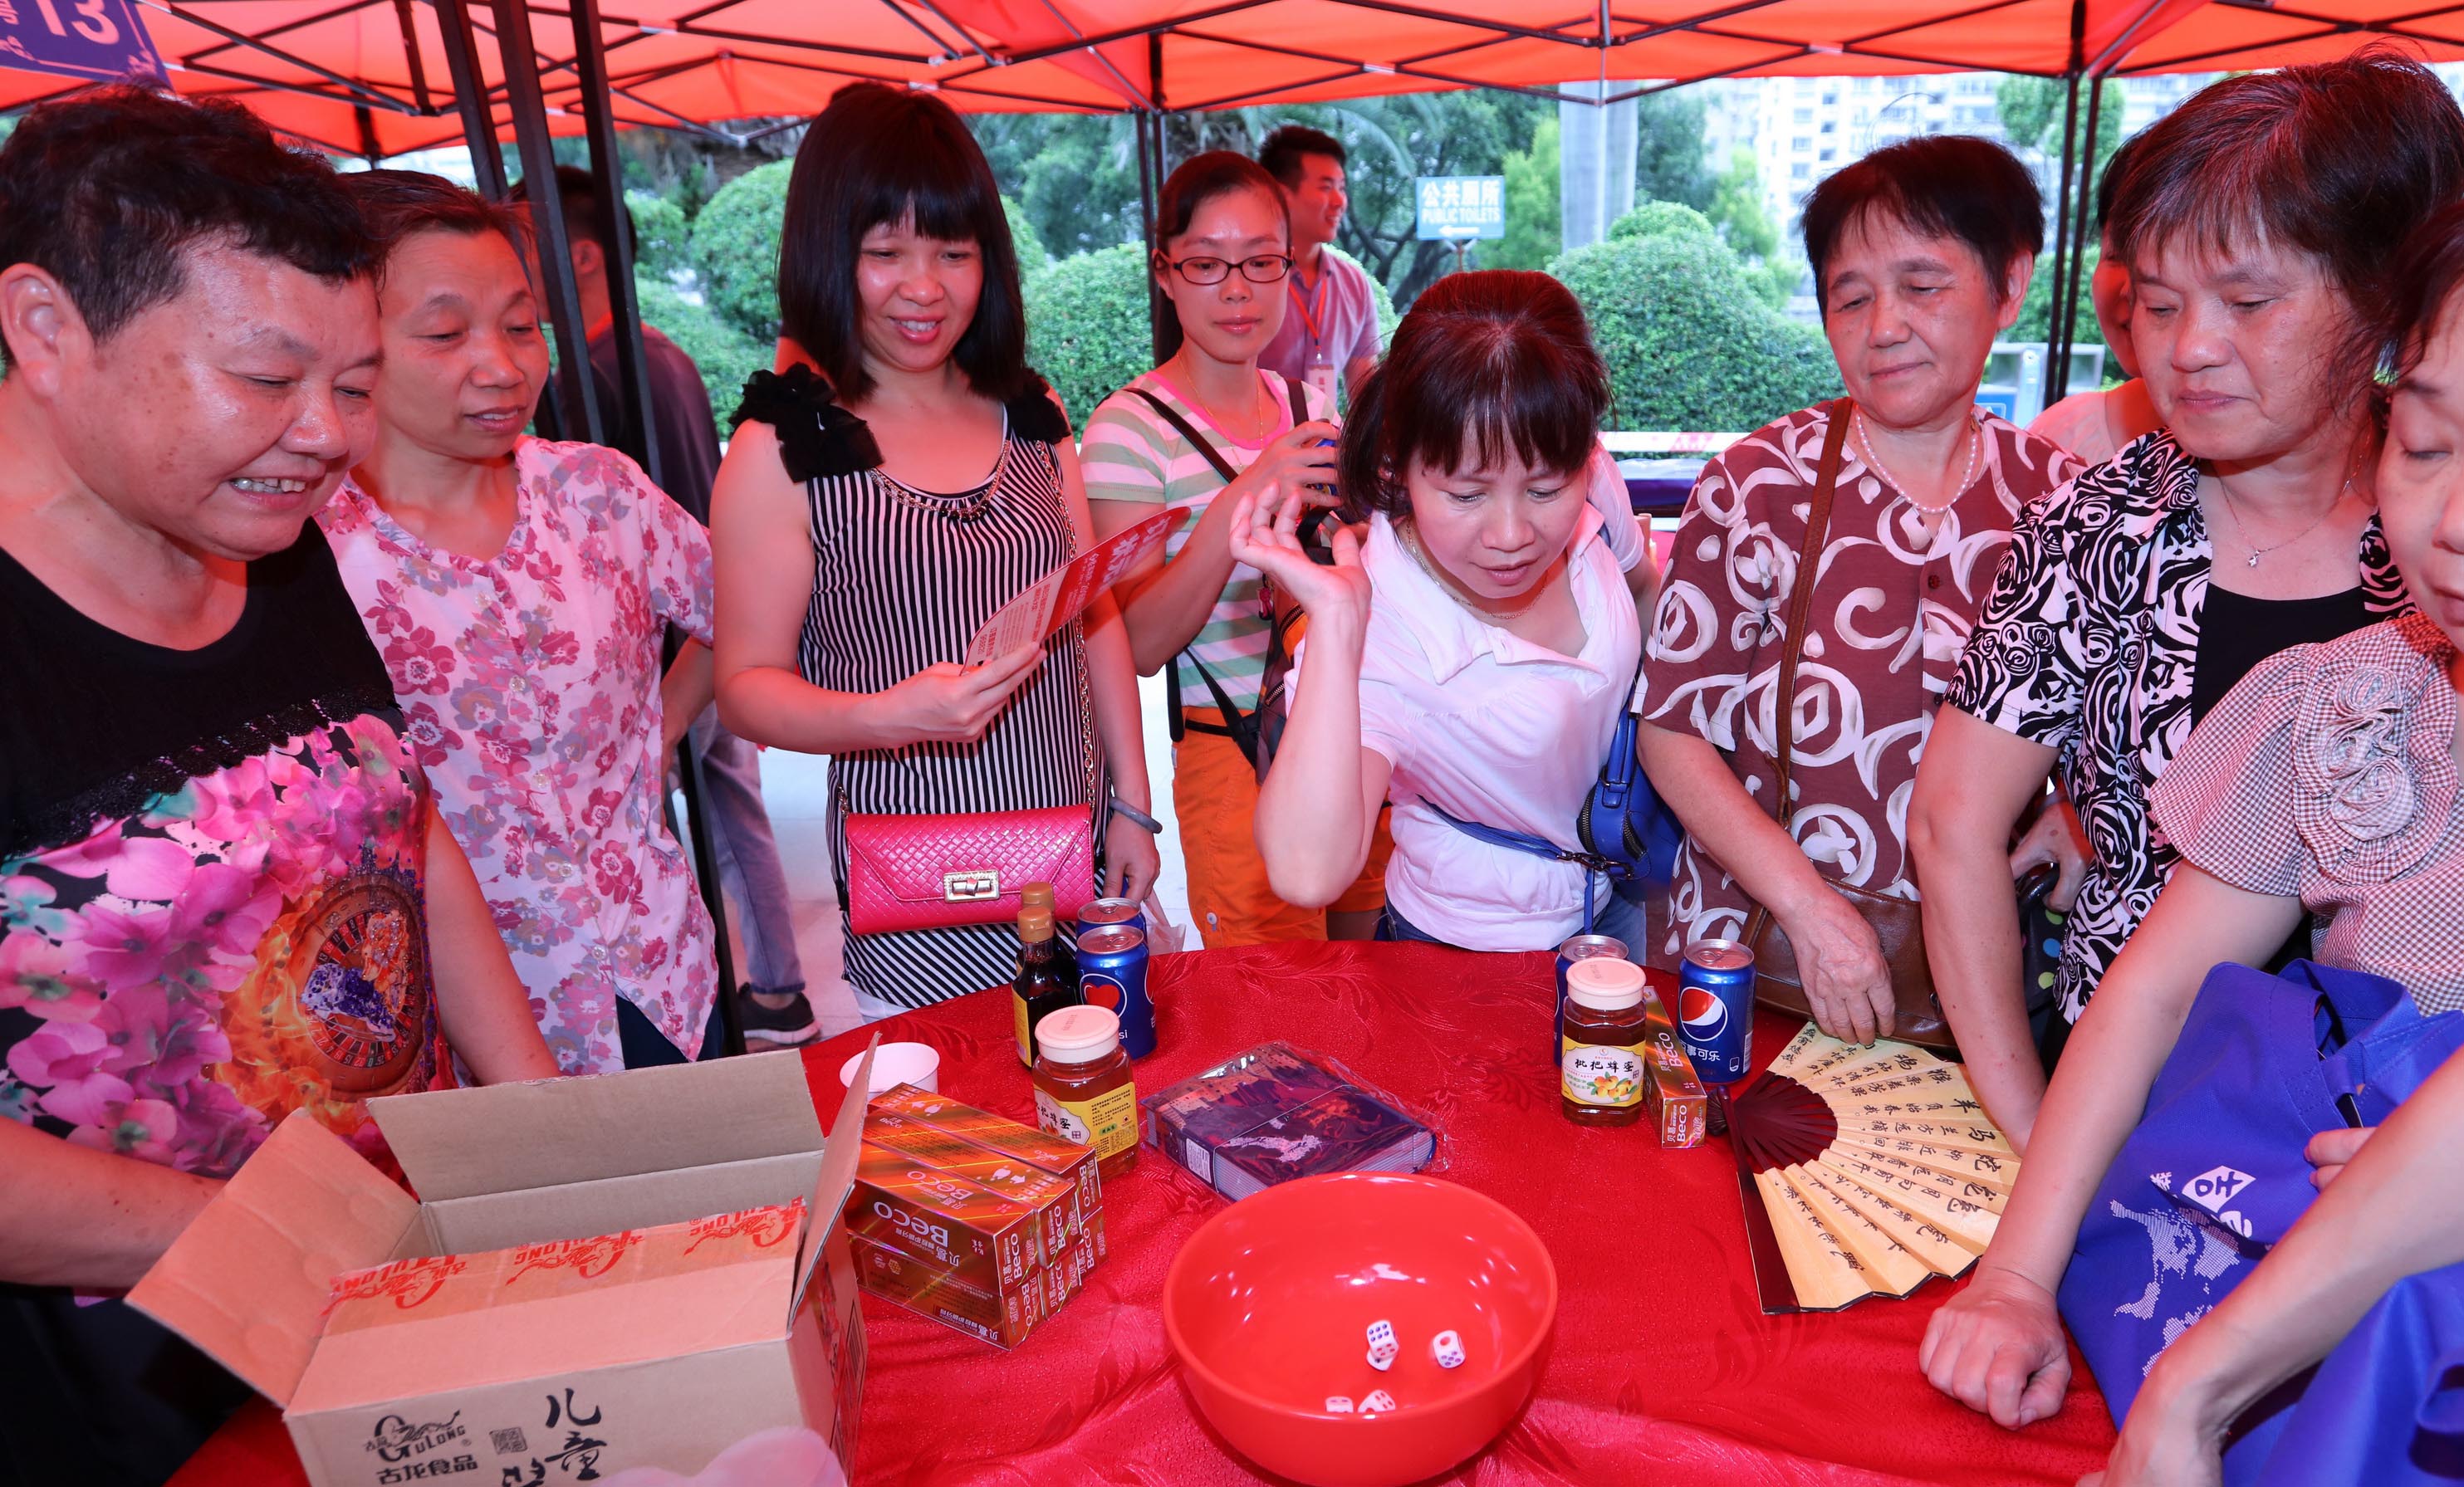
(1264, 269)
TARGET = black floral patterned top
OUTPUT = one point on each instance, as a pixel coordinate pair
(2090, 642)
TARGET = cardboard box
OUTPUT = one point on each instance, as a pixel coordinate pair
(1678, 1105)
(1005, 1136)
(638, 1269)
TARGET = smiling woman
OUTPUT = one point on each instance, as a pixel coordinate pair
(520, 591)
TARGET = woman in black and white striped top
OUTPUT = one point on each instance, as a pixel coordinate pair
(868, 519)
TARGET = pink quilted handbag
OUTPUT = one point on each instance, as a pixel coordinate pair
(937, 872)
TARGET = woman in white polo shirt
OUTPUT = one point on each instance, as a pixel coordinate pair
(1470, 659)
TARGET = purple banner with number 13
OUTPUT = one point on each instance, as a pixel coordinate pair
(96, 40)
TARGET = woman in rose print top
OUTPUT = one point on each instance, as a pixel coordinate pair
(2260, 220)
(520, 591)
(2326, 780)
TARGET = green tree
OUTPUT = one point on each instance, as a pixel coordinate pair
(1024, 240)
(1535, 223)
(1073, 176)
(724, 355)
(1086, 328)
(1736, 208)
(1665, 219)
(662, 235)
(736, 250)
(1668, 150)
(2031, 110)
(1689, 340)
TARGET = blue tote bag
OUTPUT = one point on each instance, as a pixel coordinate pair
(2214, 1175)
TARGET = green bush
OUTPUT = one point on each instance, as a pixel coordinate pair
(1663, 219)
(1689, 343)
(1087, 327)
(662, 235)
(1388, 317)
(736, 250)
(726, 355)
(1032, 258)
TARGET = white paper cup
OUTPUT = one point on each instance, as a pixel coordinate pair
(898, 1064)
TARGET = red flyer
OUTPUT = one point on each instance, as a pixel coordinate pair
(1064, 594)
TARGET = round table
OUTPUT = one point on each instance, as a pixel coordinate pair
(1662, 1370)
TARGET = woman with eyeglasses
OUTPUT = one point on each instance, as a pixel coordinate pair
(1195, 434)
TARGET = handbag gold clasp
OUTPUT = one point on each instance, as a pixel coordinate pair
(970, 888)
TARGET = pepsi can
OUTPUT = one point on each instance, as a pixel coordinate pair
(1113, 974)
(1582, 947)
(1104, 911)
(1715, 1010)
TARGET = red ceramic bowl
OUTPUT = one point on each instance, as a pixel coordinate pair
(1269, 1303)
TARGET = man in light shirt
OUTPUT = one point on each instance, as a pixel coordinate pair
(1330, 327)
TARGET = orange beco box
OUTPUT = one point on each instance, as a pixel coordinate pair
(1003, 1320)
(1009, 1138)
(1055, 1197)
(984, 1240)
(1679, 1105)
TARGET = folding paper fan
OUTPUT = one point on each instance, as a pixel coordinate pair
(1864, 1171)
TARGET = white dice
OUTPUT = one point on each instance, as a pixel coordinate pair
(1383, 1349)
(1337, 1404)
(1447, 1349)
(1378, 1402)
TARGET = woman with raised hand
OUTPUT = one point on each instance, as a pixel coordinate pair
(1195, 435)
(1483, 685)
(520, 590)
(2324, 781)
(1921, 253)
(2260, 221)
(899, 482)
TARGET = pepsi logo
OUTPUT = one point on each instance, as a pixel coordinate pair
(1704, 1015)
(1101, 992)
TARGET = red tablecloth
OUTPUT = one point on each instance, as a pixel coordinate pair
(1663, 1370)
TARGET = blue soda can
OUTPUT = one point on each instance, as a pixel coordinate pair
(1104, 911)
(1715, 1010)
(1113, 974)
(1582, 947)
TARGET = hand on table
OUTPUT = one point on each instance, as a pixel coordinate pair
(2330, 1150)
(1997, 1347)
(1847, 983)
(2164, 1443)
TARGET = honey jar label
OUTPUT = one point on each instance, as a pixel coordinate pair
(1609, 1078)
(1108, 1122)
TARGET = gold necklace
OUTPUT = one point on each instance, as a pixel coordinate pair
(2241, 523)
(1410, 541)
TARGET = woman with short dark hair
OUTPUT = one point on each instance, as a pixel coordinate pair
(1482, 687)
(902, 479)
(1921, 254)
(2260, 221)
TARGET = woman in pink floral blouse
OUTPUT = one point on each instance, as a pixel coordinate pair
(518, 590)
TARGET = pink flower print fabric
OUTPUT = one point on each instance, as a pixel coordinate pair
(529, 683)
(179, 980)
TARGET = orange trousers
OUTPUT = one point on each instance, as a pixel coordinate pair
(1215, 801)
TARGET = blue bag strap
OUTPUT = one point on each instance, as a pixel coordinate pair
(1594, 866)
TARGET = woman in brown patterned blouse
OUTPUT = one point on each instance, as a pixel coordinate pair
(1921, 252)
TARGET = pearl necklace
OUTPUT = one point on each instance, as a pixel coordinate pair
(1874, 463)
